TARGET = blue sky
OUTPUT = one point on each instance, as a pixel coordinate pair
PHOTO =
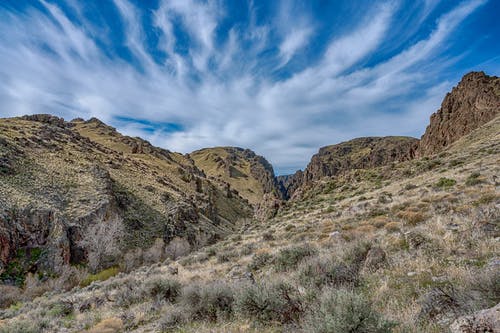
(280, 77)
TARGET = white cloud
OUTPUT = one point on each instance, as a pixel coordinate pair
(223, 93)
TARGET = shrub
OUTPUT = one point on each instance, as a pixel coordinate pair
(130, 293)
(165, 289)
(344, 311)
(268, 236)
(319, 272)
(289, 258)
(273, 302)
(101, 240)
(155, 253)
(355, 254)
(445, 182)
(178, 247)
(60, 309)
(473, 179)
(9, 295)
(208, 302)
(173, 319)
(260, 260)
(101, 276)
(226, 256)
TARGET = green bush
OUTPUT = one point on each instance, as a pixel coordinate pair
(260, 260)
(355, 254)
(165, 289)
(61, 309)
(273, 302)
(101, 276)
(289, 258)
(445, 182)
(344, 311)
(319, 272)
(473, 179)
(210, 302)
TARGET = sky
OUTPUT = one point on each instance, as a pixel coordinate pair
(280, 77)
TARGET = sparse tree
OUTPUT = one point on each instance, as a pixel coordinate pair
(177, 247)
(101, 240)
(155, 253)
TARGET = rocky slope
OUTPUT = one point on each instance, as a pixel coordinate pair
(360, 153)
(407, 247)
(472, 103)
(58, 179)
(249, 174)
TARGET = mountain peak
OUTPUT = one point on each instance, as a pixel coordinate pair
(472, 103)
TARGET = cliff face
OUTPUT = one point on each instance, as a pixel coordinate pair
(360, 153)
(59, 178)
(472, 103)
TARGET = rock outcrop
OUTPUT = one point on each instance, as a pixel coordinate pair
(360, 153)
(481, 322)
(58, 178)
(472, 103)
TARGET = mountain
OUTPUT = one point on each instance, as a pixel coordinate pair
(360, 153)
(58, 179)
(472, 103)
(251, 175)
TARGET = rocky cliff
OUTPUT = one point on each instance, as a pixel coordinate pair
(472, 103)
(360, 153)
(58, 178)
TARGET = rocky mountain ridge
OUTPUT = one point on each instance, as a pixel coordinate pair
(472, 103)
(60, 178)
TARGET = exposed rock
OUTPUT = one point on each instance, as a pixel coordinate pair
(484, 321)
(360, 153)
(46, 118)
(472, 103)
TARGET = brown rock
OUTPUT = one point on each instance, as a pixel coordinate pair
(474, 102)
(481, 322)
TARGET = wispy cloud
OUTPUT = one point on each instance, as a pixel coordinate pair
(227, 81)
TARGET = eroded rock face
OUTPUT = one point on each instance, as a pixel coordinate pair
(481, 322)
(360, 153)
(472, 103)
(59, 178)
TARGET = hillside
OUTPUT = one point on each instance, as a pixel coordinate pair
(359, 153)
(58, 179)
(241, 169)
(415, 244)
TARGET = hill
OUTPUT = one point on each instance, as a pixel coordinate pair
(241, 169)
(60, 179)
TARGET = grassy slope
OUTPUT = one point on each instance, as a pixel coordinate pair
(59, 169)
(242, 181)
